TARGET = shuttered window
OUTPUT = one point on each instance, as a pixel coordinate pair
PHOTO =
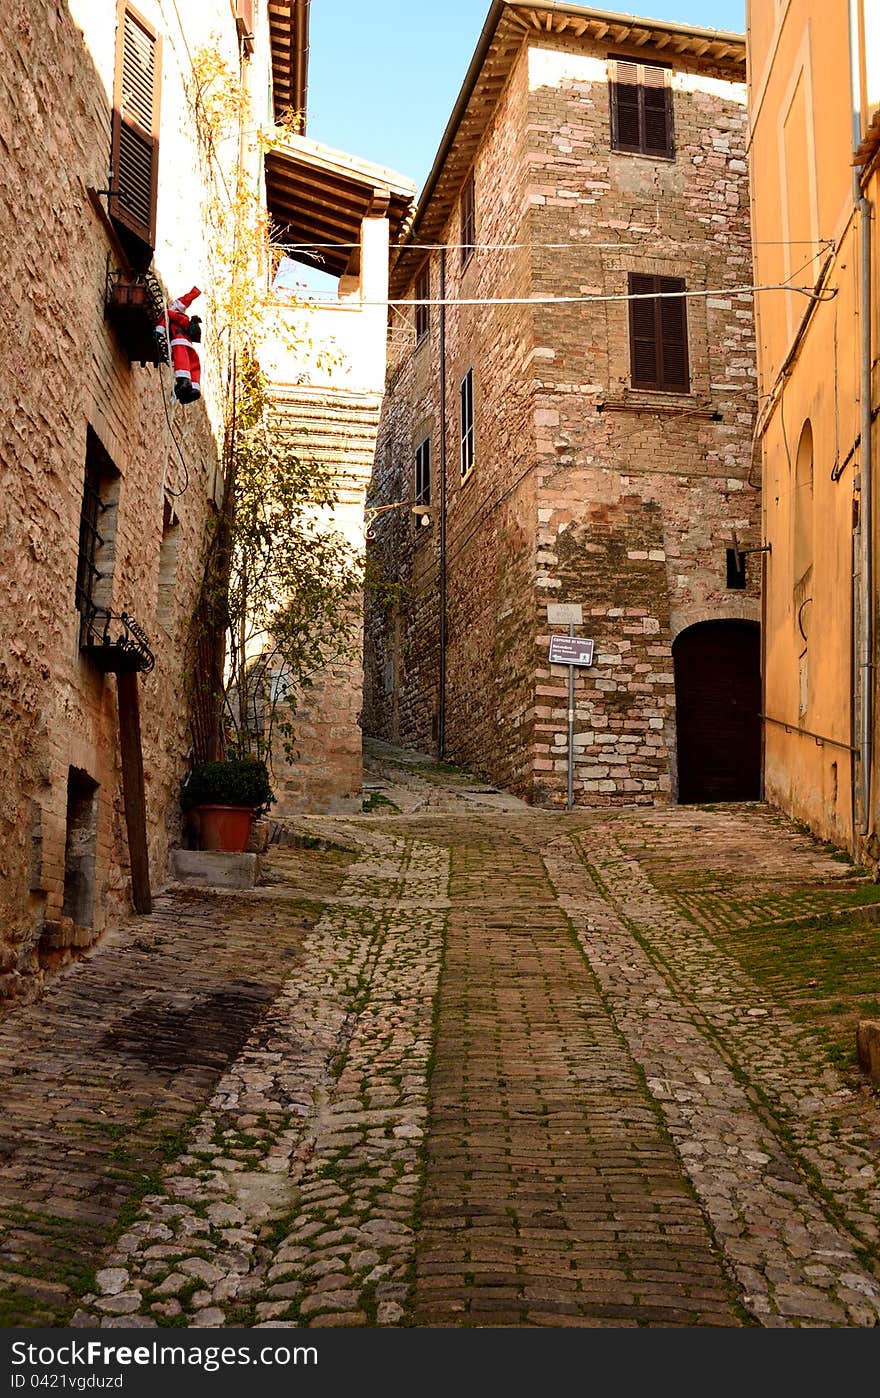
(641, 108)
(423, 295)
(659, 334)
(135, 141)
(468, 220)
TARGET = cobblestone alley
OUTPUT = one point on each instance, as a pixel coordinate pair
(460, 1063)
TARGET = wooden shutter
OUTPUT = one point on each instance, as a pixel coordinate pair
(658, 334)
(625, 106)
(674, 337)
(641, 108)
(643, 333)
(135, 140)
(244, 17)
(657, 112)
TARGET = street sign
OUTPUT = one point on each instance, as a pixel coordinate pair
(571, 650)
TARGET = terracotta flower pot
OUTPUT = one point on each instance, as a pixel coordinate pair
(225, 828)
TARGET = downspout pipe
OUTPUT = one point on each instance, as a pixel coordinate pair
(441, 716)
(866, 599)
(867, 515)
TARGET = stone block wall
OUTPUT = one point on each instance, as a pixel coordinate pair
(584, 490)
(639, 494)
(61, 373)
(490, 532)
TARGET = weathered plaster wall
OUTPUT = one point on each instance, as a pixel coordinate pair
(61, 371)
(804, 226)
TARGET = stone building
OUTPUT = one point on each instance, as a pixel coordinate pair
(815, 106)
(107, 486)
(562, 451)
(325, 356)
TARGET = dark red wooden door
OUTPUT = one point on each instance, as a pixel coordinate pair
(718, 711)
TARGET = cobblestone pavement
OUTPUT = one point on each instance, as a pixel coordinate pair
(507, 1075)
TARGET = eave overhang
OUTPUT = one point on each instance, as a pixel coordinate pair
(289, 37)
(508, 27)
(317, 195)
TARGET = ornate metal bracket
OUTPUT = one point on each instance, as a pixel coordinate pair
(133, 305)
(373, 512)
(126, 653)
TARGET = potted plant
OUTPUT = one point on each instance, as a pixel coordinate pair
(226, 796)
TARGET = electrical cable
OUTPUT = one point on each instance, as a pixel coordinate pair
(175, 494)
(555, 247)
(809, 292)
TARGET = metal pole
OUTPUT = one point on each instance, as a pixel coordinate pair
(570, 805)
(866, 468)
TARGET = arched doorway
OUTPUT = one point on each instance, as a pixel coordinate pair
(718, 711)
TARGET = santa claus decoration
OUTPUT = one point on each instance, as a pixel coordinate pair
(182, 332)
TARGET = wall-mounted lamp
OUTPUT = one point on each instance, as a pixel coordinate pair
(372, 513)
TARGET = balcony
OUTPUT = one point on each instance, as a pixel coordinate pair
(133, 305)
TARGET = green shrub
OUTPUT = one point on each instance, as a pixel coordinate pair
(237, 782)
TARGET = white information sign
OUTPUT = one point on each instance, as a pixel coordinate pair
(571, 650)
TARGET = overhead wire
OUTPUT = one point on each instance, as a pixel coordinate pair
(809, 292)
(556, 247)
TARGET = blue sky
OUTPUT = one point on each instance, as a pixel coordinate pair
(383, 76)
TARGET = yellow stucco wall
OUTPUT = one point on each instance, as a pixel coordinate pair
(806, 230)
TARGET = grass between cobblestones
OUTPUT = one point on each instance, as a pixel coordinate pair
(47, 1293)
(826, 973)
(775, 1114)
(814, 949)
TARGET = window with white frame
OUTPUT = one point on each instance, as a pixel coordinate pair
(422, 483)
(466, 396)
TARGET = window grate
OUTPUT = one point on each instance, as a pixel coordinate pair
(96, 532)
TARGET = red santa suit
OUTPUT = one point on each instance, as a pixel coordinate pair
(184, 357)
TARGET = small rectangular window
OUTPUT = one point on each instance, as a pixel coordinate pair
(422, 492)
(466, 396)
(736, 570)
(422, 296)
(423, 473)
(658, 333)
(468, 220)
(97, 542)
(641, 108)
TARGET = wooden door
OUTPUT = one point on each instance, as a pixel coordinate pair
(718, 711)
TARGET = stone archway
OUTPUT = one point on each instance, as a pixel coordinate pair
(718, 711)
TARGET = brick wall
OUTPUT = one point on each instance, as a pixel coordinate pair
(61, 371)
(584, 490)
